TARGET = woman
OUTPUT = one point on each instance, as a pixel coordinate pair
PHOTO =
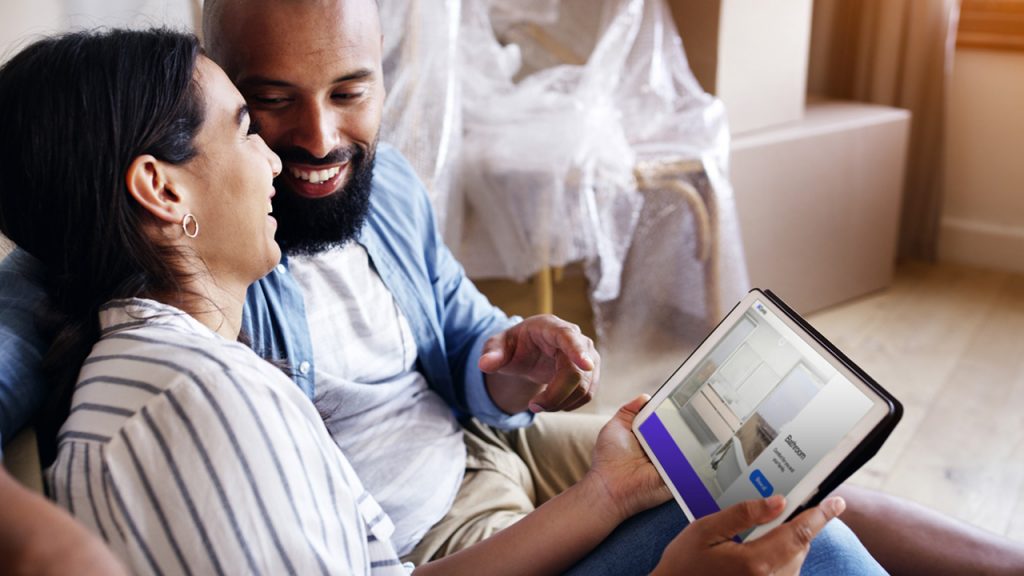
(130, 167)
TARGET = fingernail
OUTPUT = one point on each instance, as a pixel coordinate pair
(536, 408)
(838, 505)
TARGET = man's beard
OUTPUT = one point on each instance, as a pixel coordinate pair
(308, 226)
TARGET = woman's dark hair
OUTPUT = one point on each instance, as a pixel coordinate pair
(75, 111)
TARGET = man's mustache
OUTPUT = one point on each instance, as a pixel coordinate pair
(298, 155)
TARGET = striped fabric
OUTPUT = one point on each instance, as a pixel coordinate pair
(188, 454)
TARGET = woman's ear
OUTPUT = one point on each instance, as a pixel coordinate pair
(148, 181)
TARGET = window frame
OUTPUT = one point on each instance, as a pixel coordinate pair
(991, 25)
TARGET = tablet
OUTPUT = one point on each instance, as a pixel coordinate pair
(765, 405)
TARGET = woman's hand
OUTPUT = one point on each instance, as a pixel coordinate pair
(706, 546)
(620, 469)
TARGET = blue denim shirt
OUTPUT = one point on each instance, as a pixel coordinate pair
(449, 318)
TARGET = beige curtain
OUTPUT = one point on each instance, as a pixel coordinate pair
(898, 53)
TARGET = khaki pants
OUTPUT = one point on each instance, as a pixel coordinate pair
(508, 474)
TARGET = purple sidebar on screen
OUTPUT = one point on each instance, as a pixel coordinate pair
(683, 476)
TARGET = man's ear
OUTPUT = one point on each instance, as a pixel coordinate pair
(381, 62)
(148, 182)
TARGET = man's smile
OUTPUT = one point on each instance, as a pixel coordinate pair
(314, 176)
(315, 181)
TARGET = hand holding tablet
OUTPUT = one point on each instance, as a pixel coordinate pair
(707, 546)
(764, 406)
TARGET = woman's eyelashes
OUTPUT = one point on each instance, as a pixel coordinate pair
(254, 127)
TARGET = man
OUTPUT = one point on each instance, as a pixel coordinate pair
(397, 331)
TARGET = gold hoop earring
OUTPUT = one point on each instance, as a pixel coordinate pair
(185, 224)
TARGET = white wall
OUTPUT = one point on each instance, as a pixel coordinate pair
(983, 217)
(22, 20)
(177, 14)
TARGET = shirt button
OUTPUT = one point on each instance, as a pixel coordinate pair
(304, 368)
(281, 268)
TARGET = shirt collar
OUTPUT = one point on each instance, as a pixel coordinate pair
(127, 313)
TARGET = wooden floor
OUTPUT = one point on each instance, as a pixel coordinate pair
(949, 343)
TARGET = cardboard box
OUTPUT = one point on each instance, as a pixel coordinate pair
(750, 53)
(819, 202)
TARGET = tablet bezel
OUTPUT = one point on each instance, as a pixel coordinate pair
(855, 448)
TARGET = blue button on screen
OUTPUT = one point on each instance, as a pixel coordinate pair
(761, 483)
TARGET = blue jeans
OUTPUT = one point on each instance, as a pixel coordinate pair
(635, 548)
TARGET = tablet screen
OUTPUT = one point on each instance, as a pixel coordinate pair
(751, 413)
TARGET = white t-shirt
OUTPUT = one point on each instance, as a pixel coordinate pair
(400, 436)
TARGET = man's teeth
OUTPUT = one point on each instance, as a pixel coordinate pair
(315, 176)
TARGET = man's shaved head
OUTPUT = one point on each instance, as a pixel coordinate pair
(214, 13)
(310, 71)
(222, 19)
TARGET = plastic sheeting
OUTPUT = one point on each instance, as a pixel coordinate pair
(423, 111)
(553, 132)
(547, 170)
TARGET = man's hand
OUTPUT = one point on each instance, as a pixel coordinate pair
(543, 363)
(706, 546)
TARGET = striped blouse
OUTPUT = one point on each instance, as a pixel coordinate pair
(188, 454)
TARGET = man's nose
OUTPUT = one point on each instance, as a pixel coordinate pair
(316, 130)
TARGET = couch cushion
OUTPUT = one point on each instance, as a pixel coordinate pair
(21, 459)
(22, 386)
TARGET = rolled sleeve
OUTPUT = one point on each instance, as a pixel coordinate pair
(480, 403)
